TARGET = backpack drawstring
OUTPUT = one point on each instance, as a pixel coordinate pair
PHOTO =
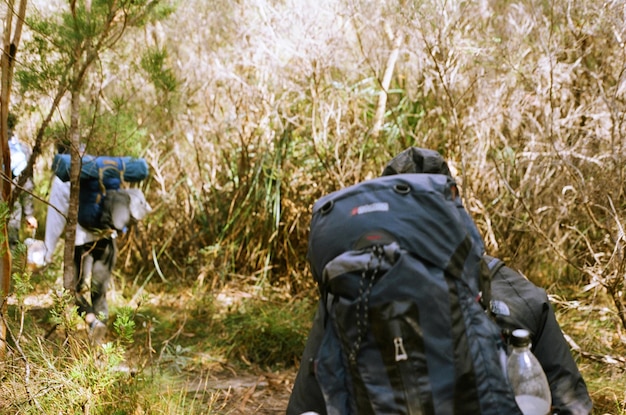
(362, 306)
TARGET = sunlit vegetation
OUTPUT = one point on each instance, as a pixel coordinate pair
(249, 111)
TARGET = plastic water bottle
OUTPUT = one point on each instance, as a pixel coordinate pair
(529, 382)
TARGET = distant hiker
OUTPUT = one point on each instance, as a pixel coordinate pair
(95, 251)
(23, 206)
(515, 303)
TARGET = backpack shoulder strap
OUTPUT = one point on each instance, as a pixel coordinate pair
(494, 264)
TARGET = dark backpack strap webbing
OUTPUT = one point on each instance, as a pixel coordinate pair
(494, 264)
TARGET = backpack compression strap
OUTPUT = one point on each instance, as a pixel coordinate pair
(110, 164)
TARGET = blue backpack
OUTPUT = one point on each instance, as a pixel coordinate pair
(99, 176)
(399, 265)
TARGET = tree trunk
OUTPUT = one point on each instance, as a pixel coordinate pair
(381, 106)
(7, 60)
(69, 280)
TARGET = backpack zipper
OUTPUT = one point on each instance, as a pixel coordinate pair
(399, 349)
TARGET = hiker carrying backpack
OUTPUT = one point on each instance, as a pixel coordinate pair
(405, 331)
(23, 208)
(331, 379)
(104, 208)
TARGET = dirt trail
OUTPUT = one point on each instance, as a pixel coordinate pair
(244, 394)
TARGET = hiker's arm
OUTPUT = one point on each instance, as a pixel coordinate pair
(569, 392)
(530, 309)
(306, 394)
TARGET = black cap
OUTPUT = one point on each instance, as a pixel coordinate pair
(417, 160)
(520, 338)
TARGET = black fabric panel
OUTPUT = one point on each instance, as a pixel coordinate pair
(409, 376)
(466, 397)
(351, 329)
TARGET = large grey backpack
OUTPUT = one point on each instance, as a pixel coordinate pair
(399, 266)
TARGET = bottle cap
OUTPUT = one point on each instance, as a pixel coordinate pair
(520, 338)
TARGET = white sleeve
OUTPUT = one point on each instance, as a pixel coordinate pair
(55, 218)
